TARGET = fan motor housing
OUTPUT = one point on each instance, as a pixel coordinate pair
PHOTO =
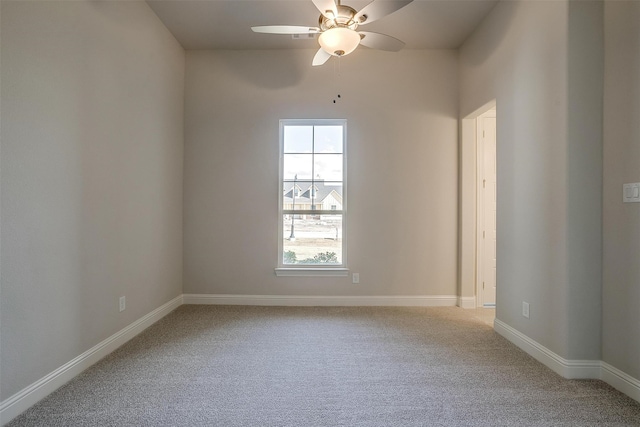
(344, 19)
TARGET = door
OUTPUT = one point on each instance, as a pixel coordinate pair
(487, 192)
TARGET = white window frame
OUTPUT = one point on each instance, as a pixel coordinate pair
(316, 269)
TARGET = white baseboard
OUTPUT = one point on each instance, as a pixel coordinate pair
(30, 395)
(594, 369)
(467, 302)
(299, 300)
(621, 381)
(571, 369)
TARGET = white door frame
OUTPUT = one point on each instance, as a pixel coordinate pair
(467, 219)
(480, 189)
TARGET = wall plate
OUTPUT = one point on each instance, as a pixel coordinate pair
(631, 193)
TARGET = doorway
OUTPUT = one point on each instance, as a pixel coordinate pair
(473, 221)
(486, 198)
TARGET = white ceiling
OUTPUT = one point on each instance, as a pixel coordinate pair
(226, 24)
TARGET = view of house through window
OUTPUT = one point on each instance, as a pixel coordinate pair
(313, 196)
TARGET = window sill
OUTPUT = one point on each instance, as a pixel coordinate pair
(312, 272)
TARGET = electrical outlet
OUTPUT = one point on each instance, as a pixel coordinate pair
(525, 309)
(356, 278)
(123, 303)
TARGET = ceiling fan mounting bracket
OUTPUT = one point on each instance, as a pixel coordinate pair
(344, 19)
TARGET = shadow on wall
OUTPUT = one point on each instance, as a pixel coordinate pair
(281, 68)
(496, 34)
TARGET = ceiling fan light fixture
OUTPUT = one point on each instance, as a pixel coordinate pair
(337, 25)
(339, 41)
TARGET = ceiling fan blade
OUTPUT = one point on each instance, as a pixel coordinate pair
(380, 41)
(378, 9)
(285, 29)
(327, 7)
(321, 57)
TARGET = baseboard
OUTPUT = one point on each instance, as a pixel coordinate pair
(467, 302)
(299, 300)
(621, 381)
(30, 395)
(571, 369)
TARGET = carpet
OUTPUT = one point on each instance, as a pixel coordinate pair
(326, 366)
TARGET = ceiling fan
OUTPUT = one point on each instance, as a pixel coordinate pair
(337, 27)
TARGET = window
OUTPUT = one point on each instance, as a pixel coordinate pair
(312, 219)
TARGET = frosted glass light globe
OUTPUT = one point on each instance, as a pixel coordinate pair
(339, 41)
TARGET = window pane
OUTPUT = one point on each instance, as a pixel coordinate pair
(298, 139)
(299, 165)
(328, 167)
(302, 199)
(328, 196)
(328, 139)
(312, 239)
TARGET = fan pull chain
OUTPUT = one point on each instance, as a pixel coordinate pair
(337, 64)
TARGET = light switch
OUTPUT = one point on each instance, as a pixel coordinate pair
(631, 192)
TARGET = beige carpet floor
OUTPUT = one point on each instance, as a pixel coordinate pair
(326, 366)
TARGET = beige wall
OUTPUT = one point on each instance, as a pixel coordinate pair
(92, 146)
(621, 278)
(91, 172)
(542, 63)
(402, 168)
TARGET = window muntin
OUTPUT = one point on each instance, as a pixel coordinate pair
(312, 218)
